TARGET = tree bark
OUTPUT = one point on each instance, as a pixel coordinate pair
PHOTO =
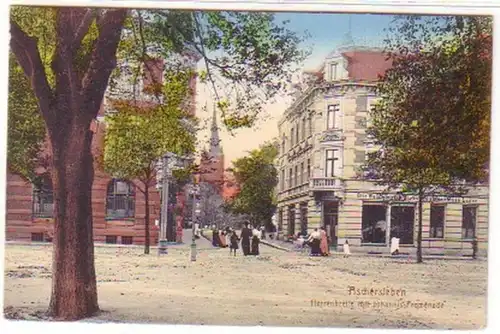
(146, 220)
(74, 291)
(419, 233)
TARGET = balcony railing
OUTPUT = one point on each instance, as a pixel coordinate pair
(325, 183)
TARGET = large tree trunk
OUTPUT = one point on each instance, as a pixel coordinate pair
(146, 220)
(419, 233)
(74, 292)
(68, 109)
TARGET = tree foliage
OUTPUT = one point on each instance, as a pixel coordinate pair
(432, 121)
(257, 177)
(26, 131)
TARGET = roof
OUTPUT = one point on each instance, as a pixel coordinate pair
(366, 65)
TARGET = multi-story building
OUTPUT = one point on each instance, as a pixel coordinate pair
(323, 146)
(118, 209)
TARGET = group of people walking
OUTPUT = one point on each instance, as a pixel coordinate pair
(250, 239)
(317, 240)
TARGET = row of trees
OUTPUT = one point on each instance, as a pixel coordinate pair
(432, 123)
(69, 56)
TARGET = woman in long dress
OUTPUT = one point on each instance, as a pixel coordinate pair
(255, 241)
(323, 242)
(222, 239)
(314, 240)
(234, 243)
(246, 234)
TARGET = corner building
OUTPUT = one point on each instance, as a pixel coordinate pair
(323, 146)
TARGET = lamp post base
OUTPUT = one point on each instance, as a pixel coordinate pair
(162, 246)
(193, 251)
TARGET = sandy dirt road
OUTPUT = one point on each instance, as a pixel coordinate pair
(276, 288)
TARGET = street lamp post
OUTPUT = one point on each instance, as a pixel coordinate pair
(193, 239)
(162, 240)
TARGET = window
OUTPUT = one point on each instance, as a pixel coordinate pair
(43, 198)
(310, 125)
(304, 128)
(330, 163)
(111, 239)
(333, 71)
(120, 200)
(127, 240)
(437, 221)
(374, 223)
(402, 223)
(282, 183)
(290, 177)
(296, 181)
(330, 116)
(297, 139)
(280, 220)
(301, 173)
(308, 168)
(291, 138)
(468, 222)
(283, 148)
(37, 237)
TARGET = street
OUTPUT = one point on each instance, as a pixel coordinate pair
(276, 288)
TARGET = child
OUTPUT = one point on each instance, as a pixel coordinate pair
(347, 251)
(234, 243)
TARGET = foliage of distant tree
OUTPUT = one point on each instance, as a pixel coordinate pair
(433, 120)
(257, 176)
(69, 54)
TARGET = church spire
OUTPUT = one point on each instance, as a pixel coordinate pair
(215, 149)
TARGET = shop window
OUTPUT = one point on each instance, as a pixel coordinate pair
(469, 222)
(403, 223)
(374, 225)
(111, 239)
(127, 240)
(437, 221)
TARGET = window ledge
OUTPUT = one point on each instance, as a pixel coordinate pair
(129, 219)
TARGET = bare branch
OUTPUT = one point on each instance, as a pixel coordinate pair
(28, 56)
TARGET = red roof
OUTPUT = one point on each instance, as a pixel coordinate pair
(366, 65)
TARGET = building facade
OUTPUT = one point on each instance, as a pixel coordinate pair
(324, 145)
(118, 208)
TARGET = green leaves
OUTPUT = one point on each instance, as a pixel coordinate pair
(433, 120)
(26, 129)
(257, 177)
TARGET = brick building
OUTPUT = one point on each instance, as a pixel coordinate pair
(118, 209)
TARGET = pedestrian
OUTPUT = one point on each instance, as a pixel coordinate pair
(234, 243)
(255, 241)
(246, 234)
(215, 236)
(323, 242)
(263, 232)
(347, 250)
(314, 240)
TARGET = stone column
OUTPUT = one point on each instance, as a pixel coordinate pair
(297, 218)
(313, 215)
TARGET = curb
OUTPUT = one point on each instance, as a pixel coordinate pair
(387, 256)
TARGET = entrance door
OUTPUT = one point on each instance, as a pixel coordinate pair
(291, 220)
(330, 221)
(303, 219)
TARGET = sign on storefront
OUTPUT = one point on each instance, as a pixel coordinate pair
(414, 198)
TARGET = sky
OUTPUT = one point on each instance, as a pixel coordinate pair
(326, 32)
